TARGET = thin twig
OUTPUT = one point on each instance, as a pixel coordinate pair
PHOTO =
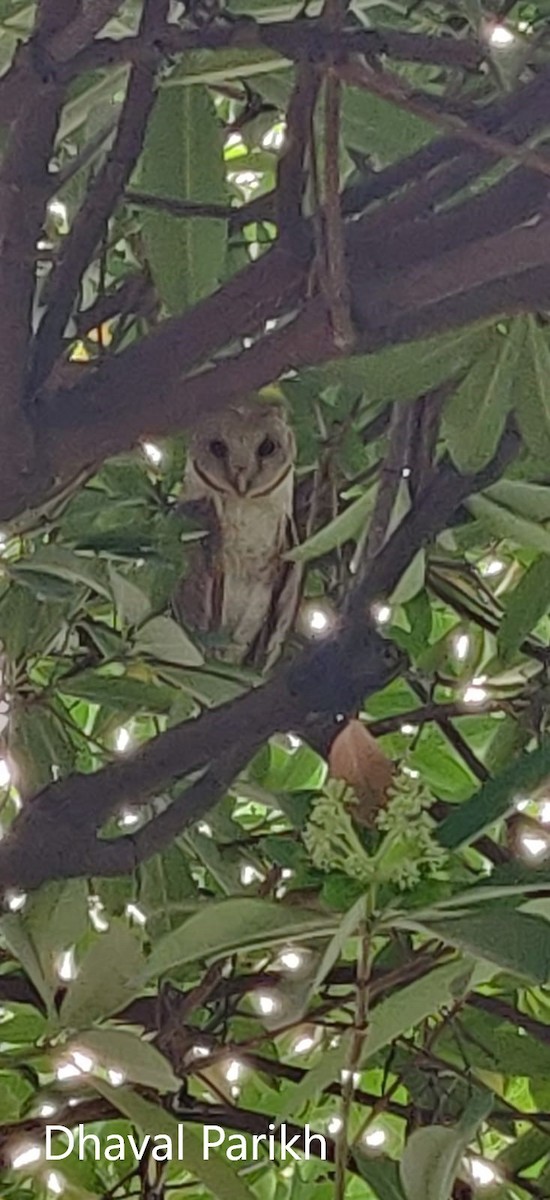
(354, 1057)
(334, 277)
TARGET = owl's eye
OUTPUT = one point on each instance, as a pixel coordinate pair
(218, 448)
(266, 448)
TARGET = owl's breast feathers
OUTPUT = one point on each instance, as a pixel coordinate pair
(238, 582)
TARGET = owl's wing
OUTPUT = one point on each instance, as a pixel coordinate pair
(287, 588)
(196, 601)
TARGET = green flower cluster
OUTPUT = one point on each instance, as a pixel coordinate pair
(408, 851)
(330, 837)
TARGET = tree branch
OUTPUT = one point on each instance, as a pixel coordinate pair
(24, 189)
(69, 41)
(294, 40)
(292, 165)
(91, 222)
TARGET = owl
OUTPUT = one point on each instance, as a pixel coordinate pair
(239, 484)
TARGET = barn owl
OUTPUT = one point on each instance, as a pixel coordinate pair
(239, 483)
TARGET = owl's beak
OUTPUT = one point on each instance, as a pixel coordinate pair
(241, 482)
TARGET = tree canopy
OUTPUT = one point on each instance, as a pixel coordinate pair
(317, 897)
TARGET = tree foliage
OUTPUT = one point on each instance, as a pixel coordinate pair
(319, 897)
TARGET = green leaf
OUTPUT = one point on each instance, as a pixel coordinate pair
(231, 926)
(214, 1172)
(28, 625)
(508, 740)
(56, 917)
(118, 691)
(40, 746)
(509, 880)
(183, 160)
(301, 770)
(21, 945)
(64, 564)
(531, 500)
(497, 1045)
(131, 603)
(381, 1174)
(232, 63)
(524, 607)
(406, 371)
(52, 921)
(163, 639)
(374, 126)
(388, 1020)
(106, 978)
(495, 798)
(129, 1053)
(412, 580)
(15, 1095)
(505, 524)
(515, 941)
(527, 1149)
(410, 1005)
(370, 124)
(431, 1158)
(533, 403)
(347, 927)
(475, 415)
(347, 526)
(166, 884)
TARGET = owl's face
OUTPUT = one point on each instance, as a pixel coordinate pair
(247, 450)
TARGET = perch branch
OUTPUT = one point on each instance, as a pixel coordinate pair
(65, 818)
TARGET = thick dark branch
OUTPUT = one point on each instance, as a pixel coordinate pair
(24, 189)
(292, 165)
(295, 39)
(70, 40)
(53, 15)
